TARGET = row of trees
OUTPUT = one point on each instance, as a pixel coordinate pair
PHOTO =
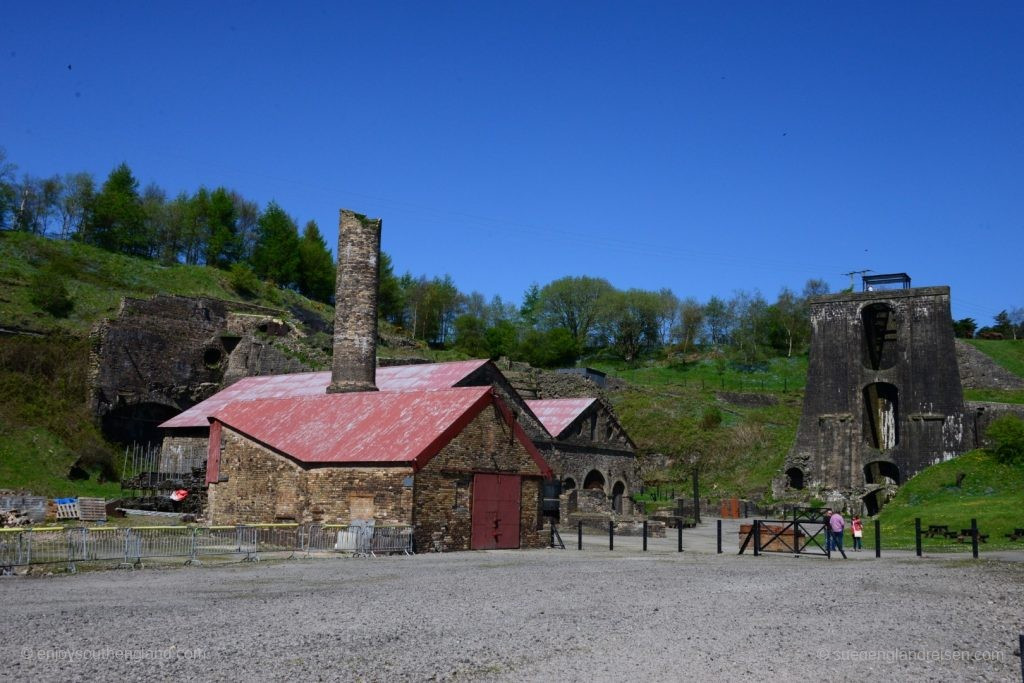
(217, 227)
(1005, 325)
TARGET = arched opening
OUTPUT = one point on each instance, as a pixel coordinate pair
(880, 350)
(882, 472)
(795, 478)
(568, 484)
(594, 480)
(881, 415)
(136, 423)
(212, 357)
(618, 492)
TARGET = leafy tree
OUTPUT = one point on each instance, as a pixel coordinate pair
(631, 321)
(470, 335)
(390, 293)
(965, 328)
(8, 192)
(316, 267)
(502, 339)
(1003, 325)
(1017, 320)
(750, 331)
(1005, 436)
(78, 191)
(549, 348)
(572, 303)
(223, 243)
(815, 287)
(38, 202)
(691, 319)
(719, 319)
(247, 214)
(117, 221)
(529, 312)
(276, 254)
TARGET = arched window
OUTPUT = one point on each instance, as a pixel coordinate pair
(594, 480)
(795, 478)
(618, 492)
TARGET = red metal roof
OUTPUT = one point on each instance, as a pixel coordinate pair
(558, 413)
(362, 427)
(422, 377)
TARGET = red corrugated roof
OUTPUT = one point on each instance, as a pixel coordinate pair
(363, 427)
(558, 413)
(422, 377)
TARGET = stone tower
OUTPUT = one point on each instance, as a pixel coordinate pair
(883, 398)
(354, 365)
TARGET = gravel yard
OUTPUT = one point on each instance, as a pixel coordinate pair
(522, 615)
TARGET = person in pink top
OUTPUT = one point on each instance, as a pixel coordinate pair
(836, 525)
(857, 529)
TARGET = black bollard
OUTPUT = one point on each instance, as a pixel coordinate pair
(757, 537)
(611, 535)
(679, 532)
(579, 536)
(878, 538)
(974, 538)
(645, 535)
(917, 535)
(719, 537)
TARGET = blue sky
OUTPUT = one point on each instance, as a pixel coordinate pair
(704, 147)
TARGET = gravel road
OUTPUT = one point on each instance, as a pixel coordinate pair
(521, 615)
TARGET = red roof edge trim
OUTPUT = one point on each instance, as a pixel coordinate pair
(450, 433)
(213, 453)
(517, 429)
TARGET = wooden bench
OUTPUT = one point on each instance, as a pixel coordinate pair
(936, 530)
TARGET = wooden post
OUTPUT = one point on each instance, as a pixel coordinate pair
(917, 535)
(719, 537)
(974, 537)
(878, 538)
(579, 536)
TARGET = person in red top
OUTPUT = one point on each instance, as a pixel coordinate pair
(857, 529)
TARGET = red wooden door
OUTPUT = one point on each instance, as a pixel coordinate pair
(495, 511)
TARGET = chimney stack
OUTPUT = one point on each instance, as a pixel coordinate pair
(355, 304)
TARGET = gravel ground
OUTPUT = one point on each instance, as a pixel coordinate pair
(522, 615)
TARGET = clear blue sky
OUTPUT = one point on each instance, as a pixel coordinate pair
(704, 147)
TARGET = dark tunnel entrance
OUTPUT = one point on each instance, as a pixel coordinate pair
(136, 423)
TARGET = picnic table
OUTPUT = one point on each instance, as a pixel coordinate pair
(966, 535)
(937, 530)
(1016, 535)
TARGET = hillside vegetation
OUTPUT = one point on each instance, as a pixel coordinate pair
(991, 492)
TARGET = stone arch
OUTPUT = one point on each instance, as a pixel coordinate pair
(881, 415)
(879, 346)
(568, 484)
(594, 480)
(882, 472)
(618, 493)
(795, 478)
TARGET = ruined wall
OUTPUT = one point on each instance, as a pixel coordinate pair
(444, 495)
(258, 485)
(163, 355)
(979, 371)
(883, 398)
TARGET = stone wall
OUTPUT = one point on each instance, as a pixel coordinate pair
(984, 413)
(258, 485)
(444, 495)
(979, 371)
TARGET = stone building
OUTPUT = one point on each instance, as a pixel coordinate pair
(453, 464)
(591, 453)
(883, 398)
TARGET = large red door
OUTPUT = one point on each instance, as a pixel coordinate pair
(495, 511)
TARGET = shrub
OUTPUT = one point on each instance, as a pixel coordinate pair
(1005, 437)
(243, 280)
(47, 291)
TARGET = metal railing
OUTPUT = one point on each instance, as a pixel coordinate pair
(130, 546)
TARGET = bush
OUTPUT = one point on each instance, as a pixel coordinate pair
(244, 281)
(47, 291)
(1005, 436)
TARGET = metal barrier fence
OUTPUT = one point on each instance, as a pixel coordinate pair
(129, 546)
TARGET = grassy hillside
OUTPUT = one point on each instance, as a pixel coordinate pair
(96, 280)
(689, 410)
(1009, 353)
(991, 492)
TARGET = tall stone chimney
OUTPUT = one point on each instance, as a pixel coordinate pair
(355, 305)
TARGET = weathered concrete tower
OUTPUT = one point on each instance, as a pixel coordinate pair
(883, 398)
(355, 307)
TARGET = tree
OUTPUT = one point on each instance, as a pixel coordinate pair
(390, 296)
(1017, 320)
(750, 315)
(502, 339)
(1005, 437)
(965, 328)
(530, 310)
(631, 321)
(8, 192)
(117, 221)
(38, 202)
(316, 266)
(549, 348)
(691, 318)
(223, 243)
(572, 303)
(470, 335)
(719, 320)
(1003, 325)
(276, 254)
(75, 203)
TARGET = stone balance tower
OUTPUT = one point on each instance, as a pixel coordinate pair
(883, 398)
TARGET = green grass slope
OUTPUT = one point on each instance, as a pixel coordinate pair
(1009, 353)
(991, 492)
